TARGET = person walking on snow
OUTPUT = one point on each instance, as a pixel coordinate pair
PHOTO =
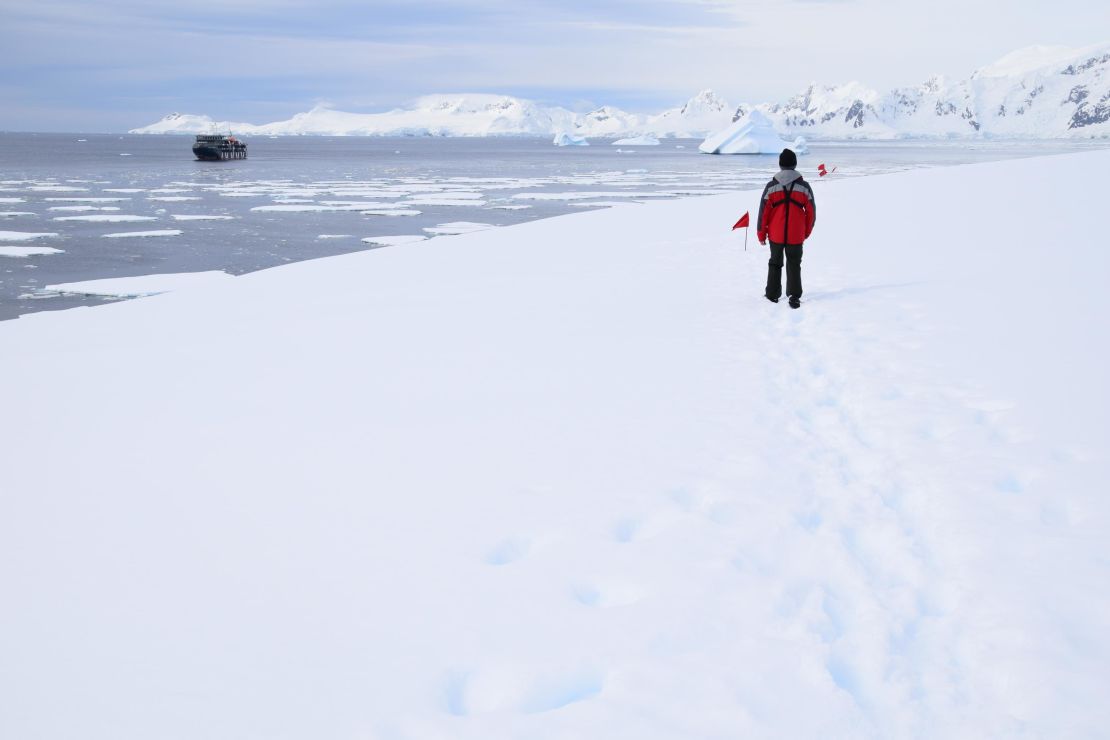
(787, 213)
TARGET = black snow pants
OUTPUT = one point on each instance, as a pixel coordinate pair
(793, 253)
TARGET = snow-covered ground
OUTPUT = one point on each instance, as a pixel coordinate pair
(576, 478)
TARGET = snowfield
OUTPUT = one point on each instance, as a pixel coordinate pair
(577, 478)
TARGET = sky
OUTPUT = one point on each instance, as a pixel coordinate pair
(111, 65)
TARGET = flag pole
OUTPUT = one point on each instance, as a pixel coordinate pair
(745, 238)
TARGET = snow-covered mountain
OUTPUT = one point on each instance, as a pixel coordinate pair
(703, 114)
(1037, 92)
(431, 115)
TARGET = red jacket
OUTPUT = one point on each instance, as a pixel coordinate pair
(787, 210)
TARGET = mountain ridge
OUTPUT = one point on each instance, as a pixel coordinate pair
(1038, 92)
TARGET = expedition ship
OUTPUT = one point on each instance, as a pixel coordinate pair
(217, 147)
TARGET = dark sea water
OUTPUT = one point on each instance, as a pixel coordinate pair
(324, 187)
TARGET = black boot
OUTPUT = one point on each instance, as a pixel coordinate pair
(772, 300)
(795, 302)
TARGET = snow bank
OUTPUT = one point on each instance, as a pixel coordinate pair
(139, 285)
(577, 478)
(752, 134)
(567, 139)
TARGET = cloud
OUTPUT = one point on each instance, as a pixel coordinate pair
(259, 59)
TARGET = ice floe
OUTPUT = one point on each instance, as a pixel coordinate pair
(86, 200)
(14, 214)
(454, 228)
(6, 251)
(445, 202)
(13, 200)
(156, 232)
(637, 141)
(173, 198)
(140, 285)
(201, 217)
(334, 236)
(394, 240)
(392, 212)
(25, 236)
(601, 203)
(82, 209)
(114, 218)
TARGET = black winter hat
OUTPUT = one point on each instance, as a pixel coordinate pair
(788, 160)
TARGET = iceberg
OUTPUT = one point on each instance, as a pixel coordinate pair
(752, 134)
(800, 145)
(637, 141)
(567, 139)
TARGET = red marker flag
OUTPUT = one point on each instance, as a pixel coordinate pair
(821, 171)
(742, 223)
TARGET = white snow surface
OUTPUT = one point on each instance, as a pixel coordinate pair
(577, 478)
(140, 285)
(752, 134)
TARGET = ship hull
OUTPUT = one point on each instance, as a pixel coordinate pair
(207, 153)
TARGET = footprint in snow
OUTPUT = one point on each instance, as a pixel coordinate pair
(605, 596)
(507, 551)
(497, 688)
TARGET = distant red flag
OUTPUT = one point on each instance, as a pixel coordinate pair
(742, 223)
(821, 171)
